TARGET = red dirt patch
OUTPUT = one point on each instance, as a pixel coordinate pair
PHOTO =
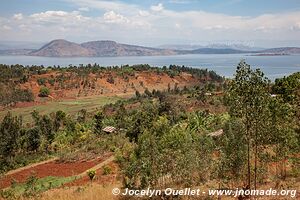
(73, 85)
(100, 177)
(54, 168)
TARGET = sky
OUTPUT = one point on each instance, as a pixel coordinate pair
(263, 23)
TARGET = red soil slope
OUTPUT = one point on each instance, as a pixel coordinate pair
(66, 85)
(54, 168)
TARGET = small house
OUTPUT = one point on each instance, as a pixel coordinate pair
(216, 133)
(109, 129)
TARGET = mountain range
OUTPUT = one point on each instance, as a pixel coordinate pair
(211, 46)
(106, 48)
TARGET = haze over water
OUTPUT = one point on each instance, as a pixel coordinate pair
(223, 64)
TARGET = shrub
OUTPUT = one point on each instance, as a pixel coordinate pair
(51, 81)
(137, 94)
(30, 186)
(106, 170)
(44, 92)
(91, 174)
(110, 80)
(41, 81)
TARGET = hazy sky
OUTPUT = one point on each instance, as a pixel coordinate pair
(251, 22)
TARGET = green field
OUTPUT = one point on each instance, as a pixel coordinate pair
(35, 185)
(68, 106)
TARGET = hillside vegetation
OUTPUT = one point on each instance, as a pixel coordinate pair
(214, 133)
(33, 83)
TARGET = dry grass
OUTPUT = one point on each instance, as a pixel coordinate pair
(89, 192)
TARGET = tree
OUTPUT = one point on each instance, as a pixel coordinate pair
(46, 127)
(137, 94)
(81, 116)
(283, 136)
(248, 94)
(147, 93)
(9, 134)
(233, 150)
(33, 139)
(98, 118)
(59, 118)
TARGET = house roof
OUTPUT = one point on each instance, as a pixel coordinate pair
(216, 133)
(109, 129)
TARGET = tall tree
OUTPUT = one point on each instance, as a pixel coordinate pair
(248, 95)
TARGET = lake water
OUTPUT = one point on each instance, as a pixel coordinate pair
(223, 64)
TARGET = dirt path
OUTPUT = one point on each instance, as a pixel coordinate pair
(30, 166)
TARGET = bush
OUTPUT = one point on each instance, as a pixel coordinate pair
(91, 174)
(41, 81)
(51, 81)
(44, 92)
(137, 94)
(106, 170)
(110, 80)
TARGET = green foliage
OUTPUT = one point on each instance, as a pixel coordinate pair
(137, 94)
(288, 87)
(11, 94)
(41, 81)
(163, 151)
(51, 82)
(10, 131)
(247, 94)
(147, 93)
(30, 186)
(81, 116)
(91, 174)
(98, 119)
(33, 187)
(107, 170)
(233, 151)
(33, 139)
(44, 92)
(159, 143)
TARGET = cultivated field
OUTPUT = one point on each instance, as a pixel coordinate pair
(69, 106)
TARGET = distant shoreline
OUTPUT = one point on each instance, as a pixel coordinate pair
(270, 54)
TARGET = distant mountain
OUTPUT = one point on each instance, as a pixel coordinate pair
(15, 52)
(241, 47)
(216, 51)
(112, 48)
(211, 46)
(282, 50)
(61, 48)
(64, 48)
(12, 45)
(181, 46)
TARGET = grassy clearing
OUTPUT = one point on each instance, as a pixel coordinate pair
(68, 106)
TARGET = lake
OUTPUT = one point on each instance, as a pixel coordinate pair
(223, 64)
